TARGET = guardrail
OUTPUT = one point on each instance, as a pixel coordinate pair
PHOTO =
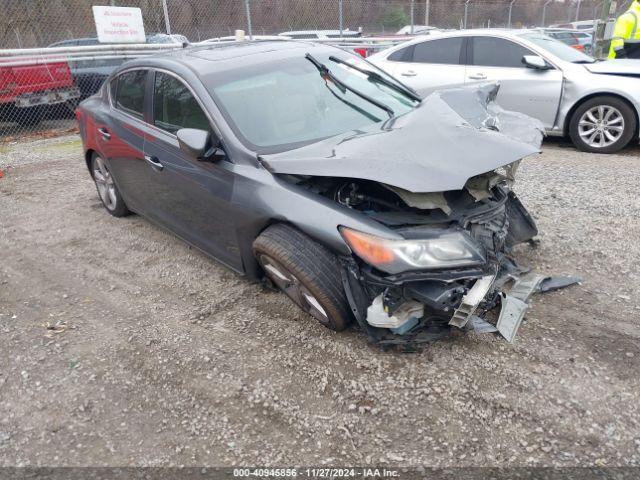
(39, 56)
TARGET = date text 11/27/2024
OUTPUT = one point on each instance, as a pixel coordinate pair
(315, 473)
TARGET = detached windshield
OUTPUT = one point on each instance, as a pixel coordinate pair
(557, 48)
(286, 104)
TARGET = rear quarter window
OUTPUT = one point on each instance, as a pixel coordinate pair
(402, 55)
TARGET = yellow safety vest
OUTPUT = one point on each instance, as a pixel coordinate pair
(627, 28)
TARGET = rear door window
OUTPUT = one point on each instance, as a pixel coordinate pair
(129, 92)
(444, 51)
(175, 107)
(498, 52)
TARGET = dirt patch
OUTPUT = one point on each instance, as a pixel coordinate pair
(167, 358)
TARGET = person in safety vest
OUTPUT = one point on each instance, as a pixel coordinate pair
(626, 35)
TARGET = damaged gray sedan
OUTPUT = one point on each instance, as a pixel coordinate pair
(307, 166)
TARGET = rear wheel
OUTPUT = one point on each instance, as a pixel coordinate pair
(602, 125)
(306, 272)
(107, 189)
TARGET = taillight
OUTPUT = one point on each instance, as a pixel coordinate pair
(361, 51)
(78, 115)
(578, 47)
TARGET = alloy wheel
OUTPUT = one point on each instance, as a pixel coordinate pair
(293, 288)
(104, 182)
(601, 126)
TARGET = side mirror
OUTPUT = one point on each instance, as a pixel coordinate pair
(535, 62)
(196, 143)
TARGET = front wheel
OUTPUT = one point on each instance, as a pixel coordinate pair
(306, 272)
(603, 125)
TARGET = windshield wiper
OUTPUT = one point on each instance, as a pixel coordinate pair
(375, 76)
(325, 72)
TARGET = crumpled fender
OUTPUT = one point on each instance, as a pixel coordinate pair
(451, 136)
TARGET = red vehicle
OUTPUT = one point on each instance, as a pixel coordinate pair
(25, 90)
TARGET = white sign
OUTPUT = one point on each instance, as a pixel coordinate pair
(119, 24)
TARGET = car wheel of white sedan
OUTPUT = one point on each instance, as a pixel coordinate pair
(603, 125)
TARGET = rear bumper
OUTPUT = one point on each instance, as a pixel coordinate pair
(47, 97)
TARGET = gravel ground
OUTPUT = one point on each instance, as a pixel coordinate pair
(163, 357)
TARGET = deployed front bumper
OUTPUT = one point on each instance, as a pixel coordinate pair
(448, 300)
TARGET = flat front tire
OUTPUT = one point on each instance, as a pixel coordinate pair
(107, 189)
(307, 272)
(603, 124)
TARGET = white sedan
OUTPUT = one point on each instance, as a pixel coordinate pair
(596, 103)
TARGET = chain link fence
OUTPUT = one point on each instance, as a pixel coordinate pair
(40, 86)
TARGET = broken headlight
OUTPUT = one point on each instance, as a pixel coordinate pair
(443, 249)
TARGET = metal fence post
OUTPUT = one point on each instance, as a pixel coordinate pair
(544, 13)
(510, 10)
(341, 17)
(427, 7)
(412, 15)
(466, 9)
(578, 10)
(600, 42)
(247, 8)
(166, 17)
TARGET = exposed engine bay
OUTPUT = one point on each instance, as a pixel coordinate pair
(439, 180)
(418, 307)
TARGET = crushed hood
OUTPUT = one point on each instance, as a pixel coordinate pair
(451, 136)
(623, 66)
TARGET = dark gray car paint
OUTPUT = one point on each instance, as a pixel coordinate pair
(255, 197)
(450, 137)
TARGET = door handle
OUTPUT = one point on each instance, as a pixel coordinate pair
(409, 73)
(478, 76)
(154, 162)
(105, 133)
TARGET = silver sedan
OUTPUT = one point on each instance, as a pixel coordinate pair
(596, 103)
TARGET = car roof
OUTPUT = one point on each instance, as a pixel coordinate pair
(76, 41)
(496, 32)
(346, 31)
(205, 59)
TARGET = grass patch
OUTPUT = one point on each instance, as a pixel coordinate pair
(67, 146)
